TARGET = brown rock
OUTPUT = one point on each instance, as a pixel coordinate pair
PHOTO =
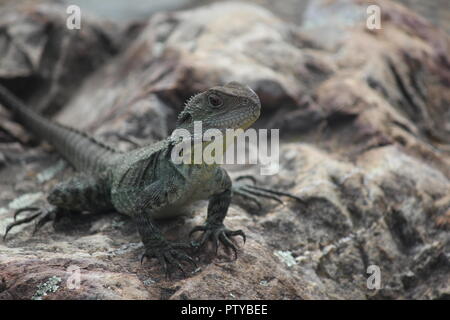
(370, 109)
(43, 61)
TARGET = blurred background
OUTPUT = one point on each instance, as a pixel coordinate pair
(436, 11)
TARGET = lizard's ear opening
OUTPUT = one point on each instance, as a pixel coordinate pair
(185, 117)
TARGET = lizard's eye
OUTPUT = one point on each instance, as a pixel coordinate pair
(214, 100)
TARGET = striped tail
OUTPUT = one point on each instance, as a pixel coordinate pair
(84, 152)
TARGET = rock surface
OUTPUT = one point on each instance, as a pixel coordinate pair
(44, 60)
(365, 126)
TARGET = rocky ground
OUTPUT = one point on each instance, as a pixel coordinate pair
(364, 119)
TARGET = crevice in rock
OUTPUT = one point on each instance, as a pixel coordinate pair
(166, 293)
(378, 86)
(406, 236)
(413, 111)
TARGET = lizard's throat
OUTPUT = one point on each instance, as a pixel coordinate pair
(210, 149)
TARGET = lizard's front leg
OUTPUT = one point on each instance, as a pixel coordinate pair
(167, 253)
(143, 205)
(214, 229)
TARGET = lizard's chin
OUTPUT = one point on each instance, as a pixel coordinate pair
(247, 124)
(244, 122)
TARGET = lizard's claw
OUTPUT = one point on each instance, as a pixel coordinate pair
(47, 215)
(254, 193)
(217, 233)
(169, 254)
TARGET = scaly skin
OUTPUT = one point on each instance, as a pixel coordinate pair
(144, 183)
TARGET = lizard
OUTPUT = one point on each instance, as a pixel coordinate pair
(145, 183)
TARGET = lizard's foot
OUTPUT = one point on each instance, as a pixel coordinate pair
(217, 233)
(46, 216)
(169, 254)
(254, 193)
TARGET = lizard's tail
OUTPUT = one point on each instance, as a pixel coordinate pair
(83, 151)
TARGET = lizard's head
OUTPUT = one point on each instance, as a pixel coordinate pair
(232, 106)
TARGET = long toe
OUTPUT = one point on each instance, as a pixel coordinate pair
(18, 212)
(196, 229)
(19, 222)
(218, 234)
(47, 217)
(228, 244)
(247, 177)
(234, 233)
(278, 193)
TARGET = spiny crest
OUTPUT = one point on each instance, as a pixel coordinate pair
(190, 101)
(188, 105)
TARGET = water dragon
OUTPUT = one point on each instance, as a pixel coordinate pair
(145, 183)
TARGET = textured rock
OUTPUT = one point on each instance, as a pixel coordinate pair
(42, 60)
(365, 124)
